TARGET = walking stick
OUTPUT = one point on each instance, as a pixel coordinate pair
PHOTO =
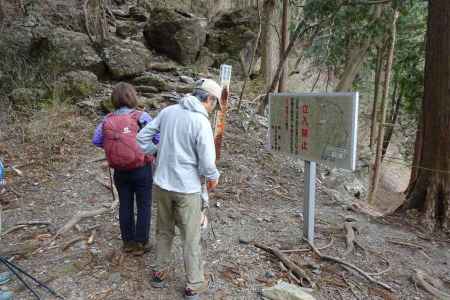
(15, 269)
(111, 184)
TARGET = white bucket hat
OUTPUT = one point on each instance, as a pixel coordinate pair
(209, 86)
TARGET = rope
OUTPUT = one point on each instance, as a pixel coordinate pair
(396, 161)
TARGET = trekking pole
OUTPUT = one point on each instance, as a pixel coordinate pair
(15, 269)
(111, 183)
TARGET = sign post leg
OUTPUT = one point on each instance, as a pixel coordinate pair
(309, 200)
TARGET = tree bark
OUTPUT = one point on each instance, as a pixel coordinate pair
(416, 158)
(377, 92)
(387, 77)
(270, 45)
(396, 101)
(282, 86)
(297, 34)
(356, 57)
(430, 191)
(255, 48)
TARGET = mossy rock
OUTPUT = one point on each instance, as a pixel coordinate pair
(106, 105)
(76, 85)
(151, 80)
(21, 97)
(176, 34)
(126, 59)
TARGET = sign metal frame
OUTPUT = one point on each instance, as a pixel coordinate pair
(310, 166)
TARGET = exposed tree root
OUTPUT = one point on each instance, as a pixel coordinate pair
(350, 238)
(296, 270)
(88, 214)
(349, 265)
(430, 284)
(25, 224)
(307, 250)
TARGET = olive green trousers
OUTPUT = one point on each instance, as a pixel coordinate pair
(184, 211)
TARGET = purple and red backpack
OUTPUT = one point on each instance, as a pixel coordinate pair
(120, 145)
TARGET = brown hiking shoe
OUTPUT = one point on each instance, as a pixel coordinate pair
(141, 249)
(128, 246)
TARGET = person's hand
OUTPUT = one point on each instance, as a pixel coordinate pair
(211, 185)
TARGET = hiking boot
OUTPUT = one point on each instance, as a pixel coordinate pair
(128, 246)
(158, 280)
(6, 295)
(141, 248)
(5, 277)
(138, 250)
(191, 295)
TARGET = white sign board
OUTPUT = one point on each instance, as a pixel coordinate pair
(320, 127)
(225, 75)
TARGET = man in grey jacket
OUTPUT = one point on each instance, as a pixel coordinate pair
(186, 153)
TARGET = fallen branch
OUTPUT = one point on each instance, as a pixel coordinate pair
(381, 272)
(406, 244)
(350, 286)
(19, 249)
(91, 238)
(96, 160)
(88, 214)
(296, 270)
(71, 242)
(429, 284)
(342, 262)
(83, 215)
(25, 224)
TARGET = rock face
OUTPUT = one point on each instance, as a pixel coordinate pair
(126, 59)
(177, 35)
(126, 29)
(71, 50)
(231, 38)
(76, 85)
(152, 80)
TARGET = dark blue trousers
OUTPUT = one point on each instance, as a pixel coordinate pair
(135, 185)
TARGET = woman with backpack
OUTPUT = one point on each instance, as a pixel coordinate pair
(116, 134)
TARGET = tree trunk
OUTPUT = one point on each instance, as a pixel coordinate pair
(392, 120)
(387, 77)
(270, 45)
(430, 192)
(376, 93)
(282, 86)
(255, 48)
(356, 57)
(276, 78)
(2, 15)
(416, 157)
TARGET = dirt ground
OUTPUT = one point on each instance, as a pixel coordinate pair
(260, 198)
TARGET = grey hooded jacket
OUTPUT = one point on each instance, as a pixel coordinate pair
(186, 150)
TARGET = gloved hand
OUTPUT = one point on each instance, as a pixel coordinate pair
(212, 184)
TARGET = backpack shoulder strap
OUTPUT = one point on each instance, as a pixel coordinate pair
(136, 114)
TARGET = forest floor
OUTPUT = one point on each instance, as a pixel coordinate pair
(260, 198)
